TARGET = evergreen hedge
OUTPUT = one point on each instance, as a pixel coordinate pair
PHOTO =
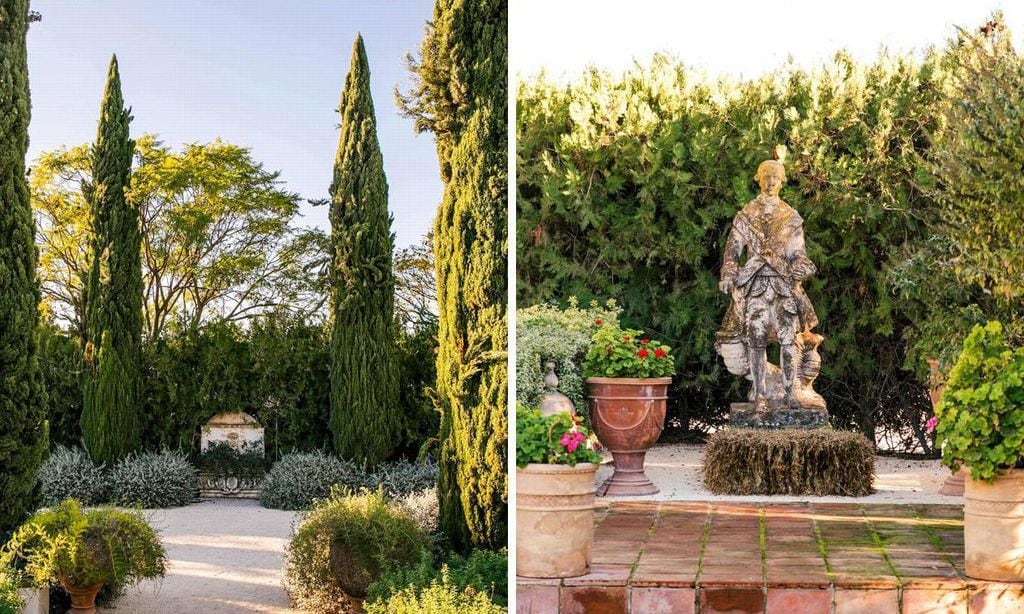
(461, 96)
(22, 396)
(364, 372)
(113, 296)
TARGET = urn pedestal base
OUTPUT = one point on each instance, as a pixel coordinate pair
(743, 415)
(629, 479)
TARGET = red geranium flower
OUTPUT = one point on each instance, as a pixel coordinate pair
(597, 322)
(645, 341)
(660, 353)
(643, 353)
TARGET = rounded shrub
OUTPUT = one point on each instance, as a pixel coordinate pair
(423, 507)
(343, 545)
(401, 478)
(299, 478)
(154, 479)
(69, 473)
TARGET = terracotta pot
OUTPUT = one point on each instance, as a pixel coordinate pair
(628, 416)
(994, 527)
(83, 598)
(554, 520)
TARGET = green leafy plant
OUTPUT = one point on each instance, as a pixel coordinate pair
(981, 414)
(10, 600)
(221, 459)
(558, 439)
(344, 544)
(70, 473)
(442, 596)
(154, 480)
(483, 571)
(548, 333)
(66, 546)
(300, 478)
(626, 353)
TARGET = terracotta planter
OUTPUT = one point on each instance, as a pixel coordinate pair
(554, 520)
(994, 527)
(83, 599)
(628, 416)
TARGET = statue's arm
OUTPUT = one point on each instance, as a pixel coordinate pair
(730, 261)
(801, 266)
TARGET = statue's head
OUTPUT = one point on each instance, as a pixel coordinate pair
(770, 176)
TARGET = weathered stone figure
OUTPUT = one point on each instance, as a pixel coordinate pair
(762, 271)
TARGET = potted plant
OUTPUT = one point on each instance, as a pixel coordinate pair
(556, 462)
(81, 551)
(981, 424)
(627, 381)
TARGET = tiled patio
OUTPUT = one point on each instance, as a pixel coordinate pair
(793, 558)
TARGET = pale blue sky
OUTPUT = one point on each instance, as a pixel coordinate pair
(259, 73)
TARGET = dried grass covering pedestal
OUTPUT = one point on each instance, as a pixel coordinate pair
(817, 462)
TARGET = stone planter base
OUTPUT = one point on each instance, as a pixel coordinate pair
(743, 415)
(954, 484)
(229, 487)
(994, 528)
(37, 600)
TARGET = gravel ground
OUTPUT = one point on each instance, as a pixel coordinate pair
(675, 469)
(225, 556)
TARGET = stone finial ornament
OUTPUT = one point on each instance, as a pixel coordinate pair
(763, 269)
(552, 401)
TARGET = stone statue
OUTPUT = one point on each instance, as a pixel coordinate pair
(764, 266)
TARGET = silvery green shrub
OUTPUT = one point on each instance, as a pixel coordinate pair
(70, 473)
(295, 481)
(423, 507)
(549, 333)
(403, 477)
(153, 480)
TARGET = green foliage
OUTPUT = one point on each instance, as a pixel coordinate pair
(221, 459)
(417, 356)
(546, 333)
(615, 352)
(343, 545)
(460, 94)
(10, 600)
(557, 439)
(442, 596)
(113, 295)
(483, 571)
(627, 185)
(819, 462)
(65, 545)
(60, 357)
(69, 473)
(981, 414)
(22, 395)
(300, 478)
(154, 480)
(364, 421)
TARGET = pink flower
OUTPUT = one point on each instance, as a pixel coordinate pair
(931, 424)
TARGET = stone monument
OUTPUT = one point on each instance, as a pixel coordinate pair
(243, 434)
(763, 269)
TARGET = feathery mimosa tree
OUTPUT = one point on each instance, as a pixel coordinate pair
(23, 439)
(113, 301)
(364, 370)
(461, 97)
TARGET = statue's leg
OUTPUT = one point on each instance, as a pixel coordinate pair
(790, 356)
(758, 369)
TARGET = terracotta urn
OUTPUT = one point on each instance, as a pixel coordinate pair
(628, 416)
(83, 598)
(994, 527)
(554, 519)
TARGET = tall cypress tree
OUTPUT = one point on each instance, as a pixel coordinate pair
(113, 302)
(364, 369)
(461, 96)
(22, 396)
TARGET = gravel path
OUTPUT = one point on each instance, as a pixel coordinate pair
(676, 470)
(225, 556)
